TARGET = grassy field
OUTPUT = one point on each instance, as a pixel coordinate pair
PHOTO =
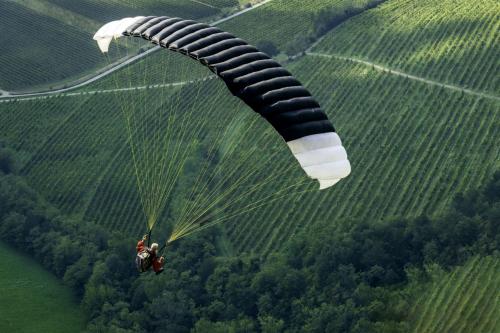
(466, 300)
(48, 43)
(412, 146)
(32, 300)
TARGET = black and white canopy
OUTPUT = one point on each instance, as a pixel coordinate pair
(254, 77)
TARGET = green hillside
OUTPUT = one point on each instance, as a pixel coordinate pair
(466, 300)
(32, 300)
(450, 41)
(405, 152)
(107, 10)
(100, 152)
(406, 139)
(412, 88)
(153, 69)
(291, 25)
(49, 43)
(42, 53)
(86, 143)
(288, 25)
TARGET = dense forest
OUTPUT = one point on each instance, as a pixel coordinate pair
(357, 276)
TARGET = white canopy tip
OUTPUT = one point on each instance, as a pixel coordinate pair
(326, 183)
(113, 29)
(322, 157)
(103, 44)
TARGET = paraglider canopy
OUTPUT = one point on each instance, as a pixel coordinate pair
(163, 135)
(254, 77)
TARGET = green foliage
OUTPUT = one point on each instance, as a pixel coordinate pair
(7, 162)
(83, 138)
(270, 324)
(242, 325)
(330, 17)
(267, 47)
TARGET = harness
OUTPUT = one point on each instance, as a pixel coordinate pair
(144, 259)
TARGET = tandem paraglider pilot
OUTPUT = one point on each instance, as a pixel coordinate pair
(147, 257)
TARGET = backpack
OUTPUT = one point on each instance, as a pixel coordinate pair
(143, 261)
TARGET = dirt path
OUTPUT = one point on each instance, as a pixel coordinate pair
(406, 75)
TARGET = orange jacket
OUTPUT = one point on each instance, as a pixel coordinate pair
(157, 262)
(140, 246)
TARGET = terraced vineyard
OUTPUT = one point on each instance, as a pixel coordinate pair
(37, 54)
(407, 154)
(289, 24)
(157, 68)
(450, 41)
(111, 9)
(49, 42)
(406, 140)
(281, 19)
(467, 300)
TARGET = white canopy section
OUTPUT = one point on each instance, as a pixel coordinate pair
(113, 29)
(322, 157)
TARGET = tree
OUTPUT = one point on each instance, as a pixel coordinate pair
(268, 47)
(7, 162)
(269, 324)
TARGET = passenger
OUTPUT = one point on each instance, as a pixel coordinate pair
(147, 257)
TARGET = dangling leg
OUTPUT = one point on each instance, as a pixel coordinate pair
(158, 265)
